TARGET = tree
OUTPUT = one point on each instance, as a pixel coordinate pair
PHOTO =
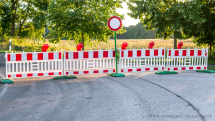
(23, 12)
(168, 16)
(81, 20)
(205, 33)
(5, 18)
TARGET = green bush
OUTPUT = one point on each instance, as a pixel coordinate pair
(4, 39)
(33, 47)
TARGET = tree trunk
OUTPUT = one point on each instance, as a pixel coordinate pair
(175, 41)
(13, 18)
(210, 49)
(20, 27)
(3, 31)
(82, 35)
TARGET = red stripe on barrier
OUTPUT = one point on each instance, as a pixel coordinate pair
(168, 69)
(67, 55)
(190, 68)
(156, 68)
(130, 70)
(198, 67)
(155, 52)
(105, 71)
(113, 53)
(29, 56)
(95, 54)
(114, 70)
(122, 53)
(40, 74)
(191, 52)
(18, 75)
(96, 71)
(122, 70)
(162, 51)
(75, 55)
(86, 55)
(67, 73)
(183, 68)
(138, 53)
(147, 69)
(138, 69)
(18, 57)
(40, 56)
(29, 75)
(176, 52)
(50, 56)
(184, 53)
(130, 53)
(205, 67)
(199, 52)
(8, 57)
(60, 73)
(147, 52)
(86, 72)
(9, 76)
(59, 55)
(51, 73)
(175, 68)
(169, 52)
(76, 72)
(162, 68)
(105, 54)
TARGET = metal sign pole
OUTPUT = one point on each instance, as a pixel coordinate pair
(115, 52)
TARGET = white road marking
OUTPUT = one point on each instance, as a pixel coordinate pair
(5, 87)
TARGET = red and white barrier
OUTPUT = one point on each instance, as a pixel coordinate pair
(89, 62)
(187, 59)
(33, 64)
(142, 60)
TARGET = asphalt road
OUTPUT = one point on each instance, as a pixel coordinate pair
(2, 60)
(187, 96)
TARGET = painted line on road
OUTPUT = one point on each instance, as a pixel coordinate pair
(189, 103)
(5, 87)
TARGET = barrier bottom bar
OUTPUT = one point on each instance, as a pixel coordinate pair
(166, 72)
(206, 71)
(6, 81)
(116, 75)
(65, 77)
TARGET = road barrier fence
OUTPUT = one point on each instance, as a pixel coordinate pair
(39, 64)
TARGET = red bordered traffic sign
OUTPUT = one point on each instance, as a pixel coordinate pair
(114, 23)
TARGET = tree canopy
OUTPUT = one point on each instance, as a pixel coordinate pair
(82, 20)
(168, 16)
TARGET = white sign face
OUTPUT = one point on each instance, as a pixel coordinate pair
(114, 23)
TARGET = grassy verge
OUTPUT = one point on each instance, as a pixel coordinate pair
(211, 62)
(211, 68)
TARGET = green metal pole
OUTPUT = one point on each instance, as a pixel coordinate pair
(115, 52)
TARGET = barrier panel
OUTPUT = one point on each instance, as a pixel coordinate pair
(142, 60)
(89, 62)
(33, 64)
(187, 59)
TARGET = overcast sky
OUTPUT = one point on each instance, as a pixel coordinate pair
(128, 20)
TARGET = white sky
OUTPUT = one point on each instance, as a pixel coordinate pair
(128, 20)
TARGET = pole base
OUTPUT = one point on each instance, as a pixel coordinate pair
(6, 81)
(206, 71)
(65, 77)
(166, 72)
(116, 75)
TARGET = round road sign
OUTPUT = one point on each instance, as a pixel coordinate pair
(114, 23)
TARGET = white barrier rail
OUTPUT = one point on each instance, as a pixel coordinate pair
(33, 64)
(187, 59)
(89, 62)
(142, 60)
